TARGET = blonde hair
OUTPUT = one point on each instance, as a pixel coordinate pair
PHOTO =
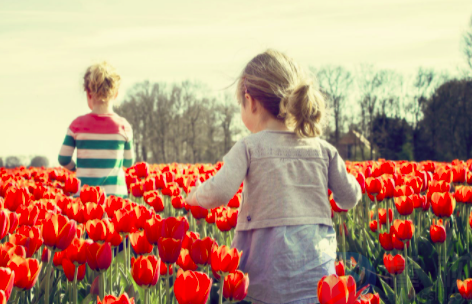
(285, 91)
(102, 80)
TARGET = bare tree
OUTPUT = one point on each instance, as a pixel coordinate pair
(335, 82)
(369, 81)
(468, 45)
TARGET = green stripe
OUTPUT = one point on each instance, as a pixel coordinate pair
(103, 181)
(64, 160)
(101, 144)
(69, 141)
(99, 163)
(128, 163)
(129, 145)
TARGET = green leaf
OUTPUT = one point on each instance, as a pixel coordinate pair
(87, 299)
(424, 278)
(456, 299)
(388, 291)
(440, 289)
(426, 295)
(404, 296)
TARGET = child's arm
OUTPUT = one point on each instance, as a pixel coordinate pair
(67, 150)
(128, 157)
(345, 188)
(220, 188)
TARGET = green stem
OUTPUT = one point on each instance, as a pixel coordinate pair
(146, 296)
(467, 240)
(439, 269)
(48, 275)
(74, 296)
(367, 220)
(110, 277)
(128, 261)
(102, 285)
(406, 263)
(445, 264)
(159, 291)
(376, 215)
(220, 300)
(343, 235)
(168, 285)
(395, 288)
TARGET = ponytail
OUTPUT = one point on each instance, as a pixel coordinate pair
(285, 91)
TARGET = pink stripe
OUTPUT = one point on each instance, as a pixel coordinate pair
(101, 124)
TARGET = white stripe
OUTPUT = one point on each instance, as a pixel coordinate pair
(66, 150)
(70, 165)
(115, 189)
(94, 136)
(91, 172)
(70, 133)
(101, 154)
(128, 154)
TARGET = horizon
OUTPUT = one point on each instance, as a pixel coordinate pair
(47, 47)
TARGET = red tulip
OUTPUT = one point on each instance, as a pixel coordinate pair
(69, 270)
(192, 287)
(443, 204)
(403, 190)
(339, 266)
(3, 297)
(99, 256)
(7, 279)
(404, 205)
(224, 260)
(185, 261)
(140, 243)
(438, 233)
(211, 216)
(200, 250)
(123, 221)
(90, 194)
(373, 185)
(8, 251)
(198, 212)
(109, 299)
(178, 202)
(235, 201)
(169, 249)
(26, 271)
(368, 299)
(4, 223)
(439, 186)
(29, 238)
(334, 289)
(72, 185)
(13, 218)
(145, 270)
(77, 251)
(98, 230)
(155, 201)
(373, 225)
(58, 231)
(149, 184)
(27, 215)
(16, 197)
(404, 229)
(93, 211)
(386, 241)
(136, 189)
(153, 229)
(383, 215)
(174, 228)
(465, 288)
(235, 286)
(394, 264)
(141, 169)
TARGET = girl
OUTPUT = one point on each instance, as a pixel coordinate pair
(104, 140)
(284, 225)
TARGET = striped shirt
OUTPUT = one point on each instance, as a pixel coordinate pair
(104, 145)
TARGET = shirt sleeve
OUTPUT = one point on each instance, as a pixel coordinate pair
(346, 190)
(220, 188)
(129, 157)
(67, 150)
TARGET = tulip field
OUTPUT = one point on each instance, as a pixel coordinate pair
(407, 241)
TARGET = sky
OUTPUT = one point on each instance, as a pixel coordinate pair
(46, 46)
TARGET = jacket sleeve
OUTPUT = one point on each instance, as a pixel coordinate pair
(221, 187)
(346, 190)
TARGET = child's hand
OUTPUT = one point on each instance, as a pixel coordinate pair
(191, 200)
